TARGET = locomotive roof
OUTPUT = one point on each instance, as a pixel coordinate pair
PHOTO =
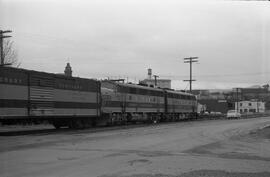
(132, 85)
(177, 92)
(45, 73)
(147, 88)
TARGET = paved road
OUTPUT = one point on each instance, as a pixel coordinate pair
(202, 148)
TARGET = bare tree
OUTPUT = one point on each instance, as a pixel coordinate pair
(10, 54)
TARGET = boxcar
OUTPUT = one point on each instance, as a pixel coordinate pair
(62, 100)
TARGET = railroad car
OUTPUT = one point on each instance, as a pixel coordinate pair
(130, 102)
(180, 105)
(35, 96)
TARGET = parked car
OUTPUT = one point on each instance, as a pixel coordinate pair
(216, 113)
(233, 114)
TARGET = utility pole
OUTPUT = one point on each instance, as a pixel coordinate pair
(190, 60)
(237, 100)
(1, 45)
(155, 76)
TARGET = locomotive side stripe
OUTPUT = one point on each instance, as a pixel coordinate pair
(144, 98)
(75, 112)
(22, 112)
(12, 103)
(155, 110)
(18, 92)
(75, 105)
(145, 105)
(8, 103)
(129, 109)
(179, 107)
(75, 96)
(18, 112)
(179, 111)
(111, 109)
(132, 104)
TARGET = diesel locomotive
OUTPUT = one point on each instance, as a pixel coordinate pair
(79, 103)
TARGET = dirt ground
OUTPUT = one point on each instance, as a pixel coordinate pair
(216, 148)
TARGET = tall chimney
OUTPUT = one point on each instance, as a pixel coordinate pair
(149, 73)
(68, 71)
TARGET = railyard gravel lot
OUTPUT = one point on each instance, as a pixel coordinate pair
(222, 148)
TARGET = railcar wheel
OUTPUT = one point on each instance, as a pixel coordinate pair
(75, 124)
(56, 125)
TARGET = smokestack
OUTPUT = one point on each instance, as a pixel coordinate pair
(68, 70)
(149, 73)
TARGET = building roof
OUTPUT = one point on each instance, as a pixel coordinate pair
(157, 80)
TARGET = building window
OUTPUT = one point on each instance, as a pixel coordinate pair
(252, 110)
(249, 104)
(241, 104)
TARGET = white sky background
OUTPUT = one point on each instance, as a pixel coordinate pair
(123, 38)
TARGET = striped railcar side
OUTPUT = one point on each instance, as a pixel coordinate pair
(75, 97)
(13, 93)
(76, 103)
(13, 100)
(25, 94)
(41, 101)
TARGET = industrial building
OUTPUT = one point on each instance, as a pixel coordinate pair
(250, 106)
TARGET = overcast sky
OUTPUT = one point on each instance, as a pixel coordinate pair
(122, 38)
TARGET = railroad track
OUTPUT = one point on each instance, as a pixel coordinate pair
(45, 131)
(73, 131)
(52, 130)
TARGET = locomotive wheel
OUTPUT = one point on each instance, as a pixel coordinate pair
(56, 125)
(75, 124)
